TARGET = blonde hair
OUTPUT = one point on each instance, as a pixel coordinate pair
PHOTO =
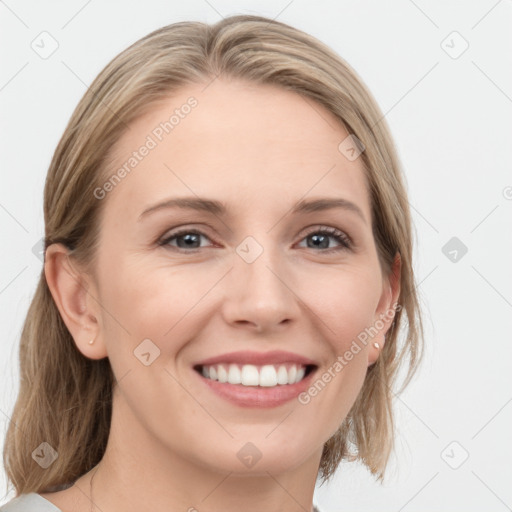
(65, 399)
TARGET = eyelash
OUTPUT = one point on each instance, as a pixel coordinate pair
(344, 240)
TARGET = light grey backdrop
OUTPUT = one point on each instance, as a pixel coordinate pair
(441, 73)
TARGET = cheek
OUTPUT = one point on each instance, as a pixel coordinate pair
(344, 302)
(152, 301)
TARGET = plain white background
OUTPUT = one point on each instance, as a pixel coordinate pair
(449, 109)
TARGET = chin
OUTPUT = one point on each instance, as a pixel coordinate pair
(260, 456)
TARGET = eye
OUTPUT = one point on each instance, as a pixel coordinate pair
(185, 239)
(319, 238)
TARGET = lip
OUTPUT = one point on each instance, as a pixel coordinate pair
(257, 396)
(258, 358)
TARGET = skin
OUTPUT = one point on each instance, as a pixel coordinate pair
(173, 443)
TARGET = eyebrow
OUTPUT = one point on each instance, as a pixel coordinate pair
(219, 208)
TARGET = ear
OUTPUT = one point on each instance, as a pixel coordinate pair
(74, 294)
(386, 309)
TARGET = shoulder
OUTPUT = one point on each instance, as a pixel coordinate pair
(31, 502)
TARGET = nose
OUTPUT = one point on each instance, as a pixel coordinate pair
(259, 295)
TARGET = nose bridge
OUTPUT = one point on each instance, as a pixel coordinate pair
(258, 292)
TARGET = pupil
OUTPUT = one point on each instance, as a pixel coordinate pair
(189, 239)
(324, 241)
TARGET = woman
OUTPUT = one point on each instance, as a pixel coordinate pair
(228, 265)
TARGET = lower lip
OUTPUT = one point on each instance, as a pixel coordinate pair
(257, 396)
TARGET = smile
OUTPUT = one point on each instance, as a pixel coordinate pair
(256, 379)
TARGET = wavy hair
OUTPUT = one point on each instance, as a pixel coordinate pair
(65, 399)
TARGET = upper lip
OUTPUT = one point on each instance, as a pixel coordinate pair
(258, 358)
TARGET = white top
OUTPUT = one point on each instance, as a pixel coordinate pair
(33, 502)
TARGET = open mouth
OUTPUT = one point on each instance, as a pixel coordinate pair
(268, 375)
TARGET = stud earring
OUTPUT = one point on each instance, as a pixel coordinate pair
(376, 345)
(91, 341)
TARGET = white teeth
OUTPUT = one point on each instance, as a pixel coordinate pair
(282, 375)
(300, 374)
(234, 375)
(268, 376)
(292, 373)
(222, 374)
(250, 375)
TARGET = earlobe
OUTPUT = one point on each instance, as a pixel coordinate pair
(70, 289)
(375, 349)
(386, 309)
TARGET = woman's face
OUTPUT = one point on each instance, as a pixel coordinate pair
(256, 283)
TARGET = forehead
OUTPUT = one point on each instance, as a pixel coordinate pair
(240, 142)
